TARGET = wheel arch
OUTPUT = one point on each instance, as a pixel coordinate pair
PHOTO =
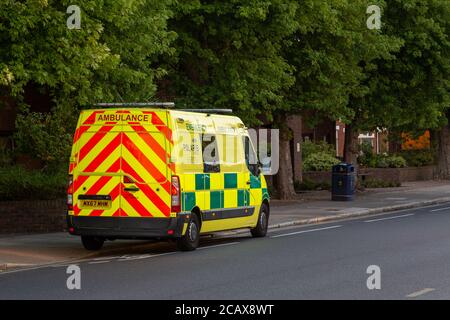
(196, 210)
(266, 202)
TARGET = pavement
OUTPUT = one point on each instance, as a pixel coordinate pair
(316, 206)
(27, 251)
(399, 255)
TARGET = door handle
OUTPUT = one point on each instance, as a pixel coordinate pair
(131, 189)
(248, 182)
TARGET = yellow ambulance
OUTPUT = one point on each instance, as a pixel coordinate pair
(147, 171)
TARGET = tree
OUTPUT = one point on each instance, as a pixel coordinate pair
(330, 52)
(409, 92)
(112, 57)
(228, 56)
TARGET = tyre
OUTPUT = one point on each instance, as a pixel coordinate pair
(263, 222)
(191, 239)
(92, 243)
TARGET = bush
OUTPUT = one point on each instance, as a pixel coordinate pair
(366, 158)
(17, 183)
(418, 158)
(308, 185)
(6, 156)
(379, 161)
(377, 183)
(309, 148)
(382, 161)
(45, 136)
(318, 156)
(396, 161)
(319, 162)
(406, 158)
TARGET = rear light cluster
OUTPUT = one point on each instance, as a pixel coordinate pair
(70, 193)
(176, 194)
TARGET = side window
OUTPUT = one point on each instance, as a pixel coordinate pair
(210, 154)
(250, 157)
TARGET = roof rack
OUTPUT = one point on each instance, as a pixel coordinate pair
(135, 104)
(209, 111)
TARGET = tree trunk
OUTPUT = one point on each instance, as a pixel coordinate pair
(285, 175)
(351, 145)
(443, 163)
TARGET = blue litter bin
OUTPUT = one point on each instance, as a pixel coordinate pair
(343, 182)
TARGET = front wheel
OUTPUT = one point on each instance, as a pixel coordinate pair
(191, 239)
(92, 243)
(263, 222)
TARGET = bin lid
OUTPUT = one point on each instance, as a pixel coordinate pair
(343, 167)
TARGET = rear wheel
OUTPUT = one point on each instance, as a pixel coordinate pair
(92, 243)
(263, 222)
(191, 239)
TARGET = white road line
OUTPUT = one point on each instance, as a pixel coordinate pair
(98, 262)
(218, 245)
(145, 256)
(303, 231)
(389, 218)
(440, 209)
(106, 258)
(420, 292)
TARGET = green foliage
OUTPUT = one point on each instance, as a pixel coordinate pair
(111, 57)
(382, 161)
(406, 158)
(309, 185)
(309, 147)
(330, 51)
(395, 161)
(47, 137)
(321, 161)
(366, 154)
(6, 156)
(318, 156)
(418, 158)
(412, 90)
(368, 158)
(379, 161)
(17, 183)
(228, 54)
(378, 183)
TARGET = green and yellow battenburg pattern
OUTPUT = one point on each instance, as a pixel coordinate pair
(222, 190)
(214, 193)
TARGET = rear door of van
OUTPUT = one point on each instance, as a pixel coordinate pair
(121, 164)
(96, 166)
(146, 145)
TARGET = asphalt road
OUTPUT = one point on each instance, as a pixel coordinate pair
(326, 261)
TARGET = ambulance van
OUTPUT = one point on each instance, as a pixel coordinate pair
(146, 171)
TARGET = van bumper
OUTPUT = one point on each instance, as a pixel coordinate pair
(126, 227)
